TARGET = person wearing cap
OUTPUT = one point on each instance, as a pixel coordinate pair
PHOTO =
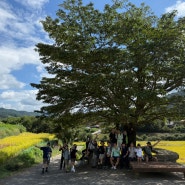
(46, 156)
(148, 149)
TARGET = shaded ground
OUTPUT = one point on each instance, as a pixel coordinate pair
(90, 176)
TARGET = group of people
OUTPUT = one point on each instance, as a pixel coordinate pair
(67, 154)
(118, 152)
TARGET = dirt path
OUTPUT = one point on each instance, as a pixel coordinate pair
(90, 176)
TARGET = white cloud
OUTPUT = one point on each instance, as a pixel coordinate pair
(13, 58)
(8, 81)
(20, 31)
(19, 24)
(179, 6)
(23, 100)
(36, 4)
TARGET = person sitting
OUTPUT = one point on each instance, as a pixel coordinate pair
(132, 152)
(148, 149)
(115, 156)
(124, 156)
(108, 150)
(139, 153)
(101, 154)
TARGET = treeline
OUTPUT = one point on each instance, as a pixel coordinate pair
(36, 125)
(30, 123)
(161, 127)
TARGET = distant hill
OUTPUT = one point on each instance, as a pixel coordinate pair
(4, 113)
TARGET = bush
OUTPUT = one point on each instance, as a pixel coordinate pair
(10, 130)
(25, 159)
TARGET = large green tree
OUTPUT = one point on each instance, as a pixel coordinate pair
(119, 63)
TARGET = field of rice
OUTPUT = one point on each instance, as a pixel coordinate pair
(11, 146)
(175, 146)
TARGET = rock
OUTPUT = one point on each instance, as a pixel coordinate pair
(166, 155)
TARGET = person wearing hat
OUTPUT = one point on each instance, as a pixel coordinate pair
(46, 156)
(148, 149)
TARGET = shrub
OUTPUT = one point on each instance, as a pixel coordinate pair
(10, 130)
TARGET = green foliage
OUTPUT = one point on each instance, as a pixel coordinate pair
(119, 64)
(161, 136)
(9, 130)
(31, 123)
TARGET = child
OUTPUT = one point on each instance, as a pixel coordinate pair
(101, 152)
(139, 153)
(148, 149)
(73, 157)
(46, 156)
(108, 150)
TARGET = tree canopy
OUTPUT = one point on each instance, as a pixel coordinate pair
(120, 63)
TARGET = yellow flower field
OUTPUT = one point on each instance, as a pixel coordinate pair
(175, 146)
(12, 145)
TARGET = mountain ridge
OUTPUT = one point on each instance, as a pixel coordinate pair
(4, 113)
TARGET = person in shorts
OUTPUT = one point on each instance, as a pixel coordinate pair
(115, 156)
(101, 153)
(139, 153)
(73, 152)
(148, 149)
(46, 157)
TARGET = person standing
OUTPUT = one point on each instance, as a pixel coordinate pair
(66, 154)
(132, 136)
(125, 138)
(119, 137)
(62, 164)
(73, 151)
(47, 151)
(112, 137)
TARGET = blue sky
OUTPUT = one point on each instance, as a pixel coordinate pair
(21, 30)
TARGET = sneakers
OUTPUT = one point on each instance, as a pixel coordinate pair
(72, 169)
(113, 167)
